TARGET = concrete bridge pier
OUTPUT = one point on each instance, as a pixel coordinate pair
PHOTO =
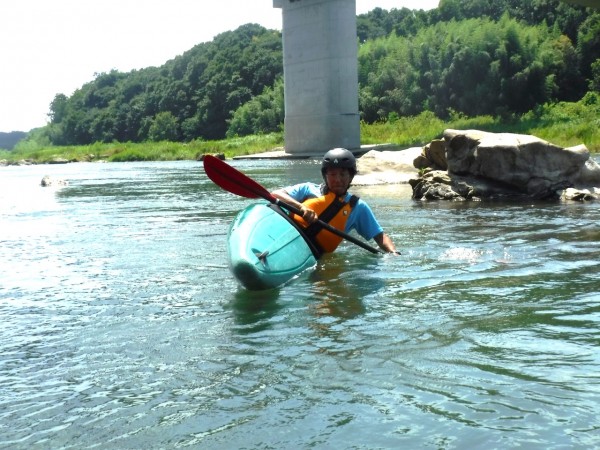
(320, 66)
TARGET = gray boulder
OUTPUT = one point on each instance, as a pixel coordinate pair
(48, 181)
(491, 165)
(432, 156)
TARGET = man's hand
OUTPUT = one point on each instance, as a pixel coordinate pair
(308, 214)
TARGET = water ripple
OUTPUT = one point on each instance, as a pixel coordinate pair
(123, 328)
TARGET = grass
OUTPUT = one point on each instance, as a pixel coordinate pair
(563, 124)
(146, 151)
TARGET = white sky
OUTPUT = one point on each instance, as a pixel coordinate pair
(49, 47)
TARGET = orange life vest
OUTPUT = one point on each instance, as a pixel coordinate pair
(325, 240)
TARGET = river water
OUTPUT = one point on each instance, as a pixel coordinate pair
(123, 328)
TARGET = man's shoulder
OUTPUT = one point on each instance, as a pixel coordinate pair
(306, 189)
(354, 199)
(310, 186)
(362, 207)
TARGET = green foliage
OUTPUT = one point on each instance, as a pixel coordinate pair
(532, 12)
(158, 151)
(588, 43)
(568, 123)
(147, 151)
(564, 123)
(192, 96)
(379, 23)
(262, 114)
(35, 140)
(163, 127)
(9, 140)
(474, 66)
(404, 131)
(595, 81)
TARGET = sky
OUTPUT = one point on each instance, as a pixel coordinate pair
(50, 47)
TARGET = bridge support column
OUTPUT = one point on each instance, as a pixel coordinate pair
(320, 66)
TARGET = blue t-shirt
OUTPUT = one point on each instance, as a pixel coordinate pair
(361, 218)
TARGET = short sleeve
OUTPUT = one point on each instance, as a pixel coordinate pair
(363, 221)
(303, 191)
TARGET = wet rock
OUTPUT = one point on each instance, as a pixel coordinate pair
(53, 182)
(581, 195)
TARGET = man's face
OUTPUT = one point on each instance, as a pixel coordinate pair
(338, 180)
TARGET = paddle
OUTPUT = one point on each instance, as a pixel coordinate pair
(234, 181)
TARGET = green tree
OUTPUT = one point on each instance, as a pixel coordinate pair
(588, 44)
(264, 113)
(201, 89)
(164, 127)
(472, 66)
(58, 108)
(595, 80)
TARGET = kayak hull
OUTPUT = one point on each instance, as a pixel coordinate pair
(265, 249)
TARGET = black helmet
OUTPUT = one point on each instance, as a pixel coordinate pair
(339, 157)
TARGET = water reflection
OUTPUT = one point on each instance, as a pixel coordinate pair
(337, 291)
(253, 310)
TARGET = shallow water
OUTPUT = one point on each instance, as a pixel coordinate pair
(122, 327)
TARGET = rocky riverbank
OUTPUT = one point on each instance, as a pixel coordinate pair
(476, 165)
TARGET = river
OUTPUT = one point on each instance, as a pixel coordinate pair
(123, 328)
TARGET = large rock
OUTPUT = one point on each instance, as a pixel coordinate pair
(439, 185)
(532, 165)
(433, 156)
(476, 165)
(491, 165)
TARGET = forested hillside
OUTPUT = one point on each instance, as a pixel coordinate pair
(468, 57)
(191, 96)
(9, 140)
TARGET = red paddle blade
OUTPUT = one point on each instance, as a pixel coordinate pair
(232, 180)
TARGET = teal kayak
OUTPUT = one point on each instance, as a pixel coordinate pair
(266, 249)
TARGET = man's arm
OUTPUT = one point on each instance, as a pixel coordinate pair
(307, 214)
(386, 243)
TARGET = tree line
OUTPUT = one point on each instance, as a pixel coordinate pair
(9, 140)
(467, 57)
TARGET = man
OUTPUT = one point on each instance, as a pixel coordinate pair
(331, 203)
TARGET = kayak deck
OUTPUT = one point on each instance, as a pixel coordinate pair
(265, 249)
